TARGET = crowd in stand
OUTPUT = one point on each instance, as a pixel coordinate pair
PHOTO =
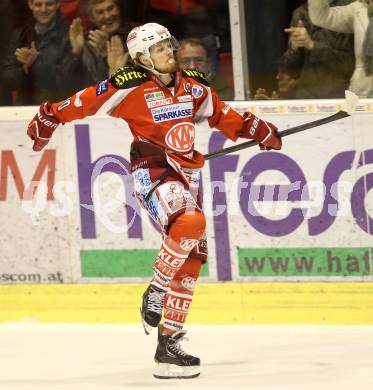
(52, 48)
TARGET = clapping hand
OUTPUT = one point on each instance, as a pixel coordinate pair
(116, 55)
(27, 56)
(76, 35)
(97, 39)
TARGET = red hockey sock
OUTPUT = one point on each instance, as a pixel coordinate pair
(180, 295)
(183, 235)
(168, 262)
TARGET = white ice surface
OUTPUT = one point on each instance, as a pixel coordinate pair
(111, 357)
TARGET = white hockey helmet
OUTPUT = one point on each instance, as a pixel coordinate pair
(141, 38)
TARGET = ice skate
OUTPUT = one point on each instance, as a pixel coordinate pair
(151, 308)
(171, 361)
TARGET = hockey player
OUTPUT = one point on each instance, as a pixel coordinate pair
(161, 105)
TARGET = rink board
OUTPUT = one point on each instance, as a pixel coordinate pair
(302, 214)
(75, 254)
(225, 303)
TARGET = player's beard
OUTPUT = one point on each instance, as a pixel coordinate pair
(168, 67)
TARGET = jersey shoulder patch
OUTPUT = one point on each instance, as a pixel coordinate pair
(128, 77)
(196, 75)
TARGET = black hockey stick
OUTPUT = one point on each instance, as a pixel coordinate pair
(292, 130)
(351, 100)
(348, 107)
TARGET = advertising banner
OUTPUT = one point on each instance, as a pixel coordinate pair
(68, 213)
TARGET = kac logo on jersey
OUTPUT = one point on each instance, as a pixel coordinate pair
(172, 111)
(102, 88)
(197, 91)
(180, 137)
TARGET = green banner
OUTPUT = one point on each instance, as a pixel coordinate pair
(121, 263)
(305, 262)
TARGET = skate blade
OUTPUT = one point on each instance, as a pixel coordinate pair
(147, 328)
(172, 371)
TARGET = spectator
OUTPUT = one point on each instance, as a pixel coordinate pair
(324, 58)
(356, 18)
(192, 54)
(287, 82)
(38, 59)
(264, 20)
(102, 50)
(191, 18)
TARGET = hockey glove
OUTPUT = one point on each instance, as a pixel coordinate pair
(261, 131)
(42, 126)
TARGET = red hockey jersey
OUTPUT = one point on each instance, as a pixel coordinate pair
(164, 116)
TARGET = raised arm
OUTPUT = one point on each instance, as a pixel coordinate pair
(339, 19)
(100, 98)
(221, 116)
(235, 126)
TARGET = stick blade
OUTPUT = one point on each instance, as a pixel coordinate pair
(350, 102)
